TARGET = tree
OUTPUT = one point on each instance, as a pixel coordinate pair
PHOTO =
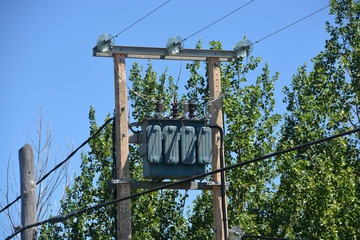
(42, 144)
(158, 215)
(248, 112)
(154, 216)
(318, 196)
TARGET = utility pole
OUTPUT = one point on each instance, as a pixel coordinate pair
(122, 148)
(220, 214)
(214, 57)
(28, 191)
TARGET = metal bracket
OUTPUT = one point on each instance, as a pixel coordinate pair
(120, 181)
(217, 183)
(149, 185)
(112, 183)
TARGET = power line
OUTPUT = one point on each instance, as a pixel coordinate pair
(72, 154)
(202, 29)
(145, 97)
(45, 176)
(9, 205)
(207, 26)
(261, 237)
(61, 163)
(142, 18)
(281, 29)
(63, 217)
(267, 36)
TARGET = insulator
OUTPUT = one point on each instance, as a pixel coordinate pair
(174, 45)
(175, 109)
(191, 109)
(185, 110)
(159, 109)
(243, 48)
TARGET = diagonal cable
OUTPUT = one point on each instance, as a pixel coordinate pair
(281, 29)
(63, 217)
(142, 18)
(202, 29)
(61, 163)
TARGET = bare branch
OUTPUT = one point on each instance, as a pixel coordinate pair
(42, 144)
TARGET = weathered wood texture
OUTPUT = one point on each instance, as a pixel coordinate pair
(216, 119)
(28, 191)
(122, 147)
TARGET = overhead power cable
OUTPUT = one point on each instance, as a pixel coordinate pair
(64, 217)
(202, 29)
(261, 237)
(131, 25)
(281, 29)
(73, 153)
(7, 206)
(145, 97)
(207, 26)
(267, 36)
(64, 161)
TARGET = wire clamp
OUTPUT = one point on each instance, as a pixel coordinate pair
(120, 181)
(218, 184)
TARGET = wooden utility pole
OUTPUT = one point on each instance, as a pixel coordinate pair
(217, 119)
(122, 148)
(28, 191)
(214, 57)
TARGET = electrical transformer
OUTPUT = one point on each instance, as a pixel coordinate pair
(175, 148)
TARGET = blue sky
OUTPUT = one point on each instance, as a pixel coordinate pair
(46, 56)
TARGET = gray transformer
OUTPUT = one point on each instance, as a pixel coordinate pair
(175, 148)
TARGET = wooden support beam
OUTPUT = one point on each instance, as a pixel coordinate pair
(122, 148)
(216, 119)
(162, 53)
(28, 191)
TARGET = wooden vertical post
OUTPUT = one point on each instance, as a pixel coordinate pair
(122, 147)
(28, 191)
(216, 119)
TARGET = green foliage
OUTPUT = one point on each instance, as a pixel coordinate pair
(148, 89)
(201, 227)
(251, 126)
(88, 189)
(248, 108)
(156, 215)
(318, 196)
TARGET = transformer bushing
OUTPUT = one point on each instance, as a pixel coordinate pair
(175, 109)
(192, 109)
(159, 109)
